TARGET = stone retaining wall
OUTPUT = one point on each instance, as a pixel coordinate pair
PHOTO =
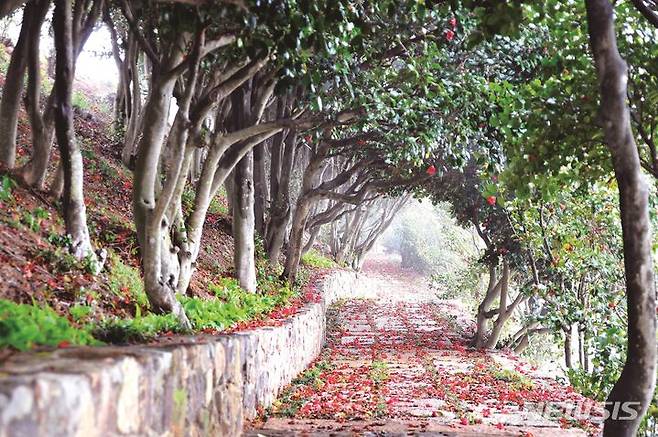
(202, 386)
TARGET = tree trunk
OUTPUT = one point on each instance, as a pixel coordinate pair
(334, 239)
(294, 252)
(522, 344)
(243, 224)
(311, 240)
(300, 217)
(260, 188)
(34, 172)
(75, 217)
(12, 89)
(504, 312)
(638, 378)
(586, 365)
(36, 169)
(280, 211)
(122, 100)
(244, 257)
(134, 111)
(581, 355)
(389, 210)
(493, 290)
(159, 265)
(567, 347)
(350, 233)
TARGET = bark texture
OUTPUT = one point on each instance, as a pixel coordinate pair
(244, 256)
(637, 380)
(34, 172)
(13, 88)
(75, 217)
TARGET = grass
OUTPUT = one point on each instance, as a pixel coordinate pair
(517, 380)
(61, 261)
(34, 218)
(379, 372)
(218, 206)
(313, 258)
(24, 326)
(230, 304)
(126, 280)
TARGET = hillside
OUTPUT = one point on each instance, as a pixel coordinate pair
(37, 271)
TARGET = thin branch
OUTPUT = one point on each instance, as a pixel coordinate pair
(146, 45)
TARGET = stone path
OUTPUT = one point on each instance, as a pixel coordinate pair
(398, 363)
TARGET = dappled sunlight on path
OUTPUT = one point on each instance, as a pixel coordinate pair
(400, 363)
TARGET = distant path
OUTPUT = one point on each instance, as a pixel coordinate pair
(399, 364)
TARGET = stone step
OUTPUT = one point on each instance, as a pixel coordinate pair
(275, 427)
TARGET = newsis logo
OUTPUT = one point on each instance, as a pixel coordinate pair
(587, 410)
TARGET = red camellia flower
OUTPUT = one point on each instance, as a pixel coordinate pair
(449, 35)
(431, 170)
(63, 344)
(491, 200)
(453, 22)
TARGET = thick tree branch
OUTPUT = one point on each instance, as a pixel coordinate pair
(649, 9)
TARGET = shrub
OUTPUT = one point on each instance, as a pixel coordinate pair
(23, 326)
(218, 206)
